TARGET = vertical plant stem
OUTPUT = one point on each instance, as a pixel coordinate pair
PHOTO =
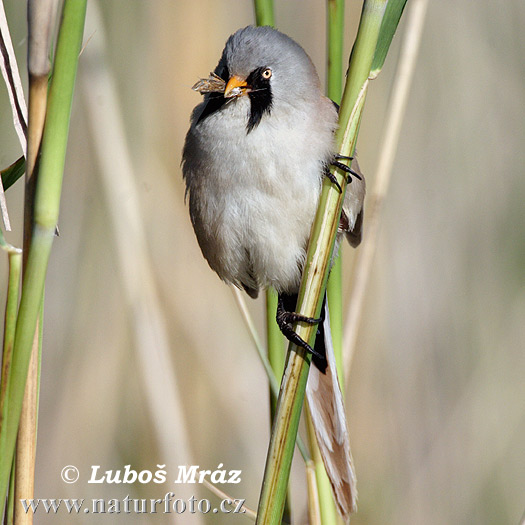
(316, 269)
(264, 15)
(40, 24)
(275, 344)
(278, 463)
(336, 14)
(314, 511)
(325, 500)
(11, 308)
(334, 88)
(47, 201)
(40, 17)
(10, 506)
(334, 293)
(27, 431)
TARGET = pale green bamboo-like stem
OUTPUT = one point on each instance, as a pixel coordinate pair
(10, 505)
(316, 269)
(334, 89)
(46, 209)
(336, 14)
(325, 500)
(13, 290)
(275, 345)
(264, 16)
(25, 456)
(41, 16)
(11, 308)
(264, 13)
(314, 511)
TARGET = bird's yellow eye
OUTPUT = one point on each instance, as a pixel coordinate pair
(267, 73)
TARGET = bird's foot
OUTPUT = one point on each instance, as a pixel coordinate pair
(343, 167)
(285, 319)
(333, 179)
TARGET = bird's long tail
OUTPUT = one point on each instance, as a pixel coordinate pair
(325, 402)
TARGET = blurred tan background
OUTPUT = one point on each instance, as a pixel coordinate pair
(146, 359)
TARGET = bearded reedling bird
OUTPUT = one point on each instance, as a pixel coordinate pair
(254, 158)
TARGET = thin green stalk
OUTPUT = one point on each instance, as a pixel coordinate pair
(32, 291)
(275, 344)
(11, 308)
(334, 293)
(327, 509)
(25, 456)
(334, 89)
(10, 506)
(264, 15)
(41, 16)
(336, 24)
(314, 511)
(313, 284)
(47, 200)
(280, 453)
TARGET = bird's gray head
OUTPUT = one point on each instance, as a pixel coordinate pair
(270, 69)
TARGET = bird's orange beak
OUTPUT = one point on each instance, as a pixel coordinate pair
(235, 87)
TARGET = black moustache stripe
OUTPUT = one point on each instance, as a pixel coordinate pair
(260, 98)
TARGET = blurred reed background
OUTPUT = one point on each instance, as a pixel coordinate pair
(133, 313)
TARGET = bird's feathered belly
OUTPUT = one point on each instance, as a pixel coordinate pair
(252, 207)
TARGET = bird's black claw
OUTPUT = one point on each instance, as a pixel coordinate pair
(333, 180)
(288, 332)
(285, 319)
(349, 171)
(343, 167)
(284, 316)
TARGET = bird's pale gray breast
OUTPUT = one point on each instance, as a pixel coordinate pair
(253, 195)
